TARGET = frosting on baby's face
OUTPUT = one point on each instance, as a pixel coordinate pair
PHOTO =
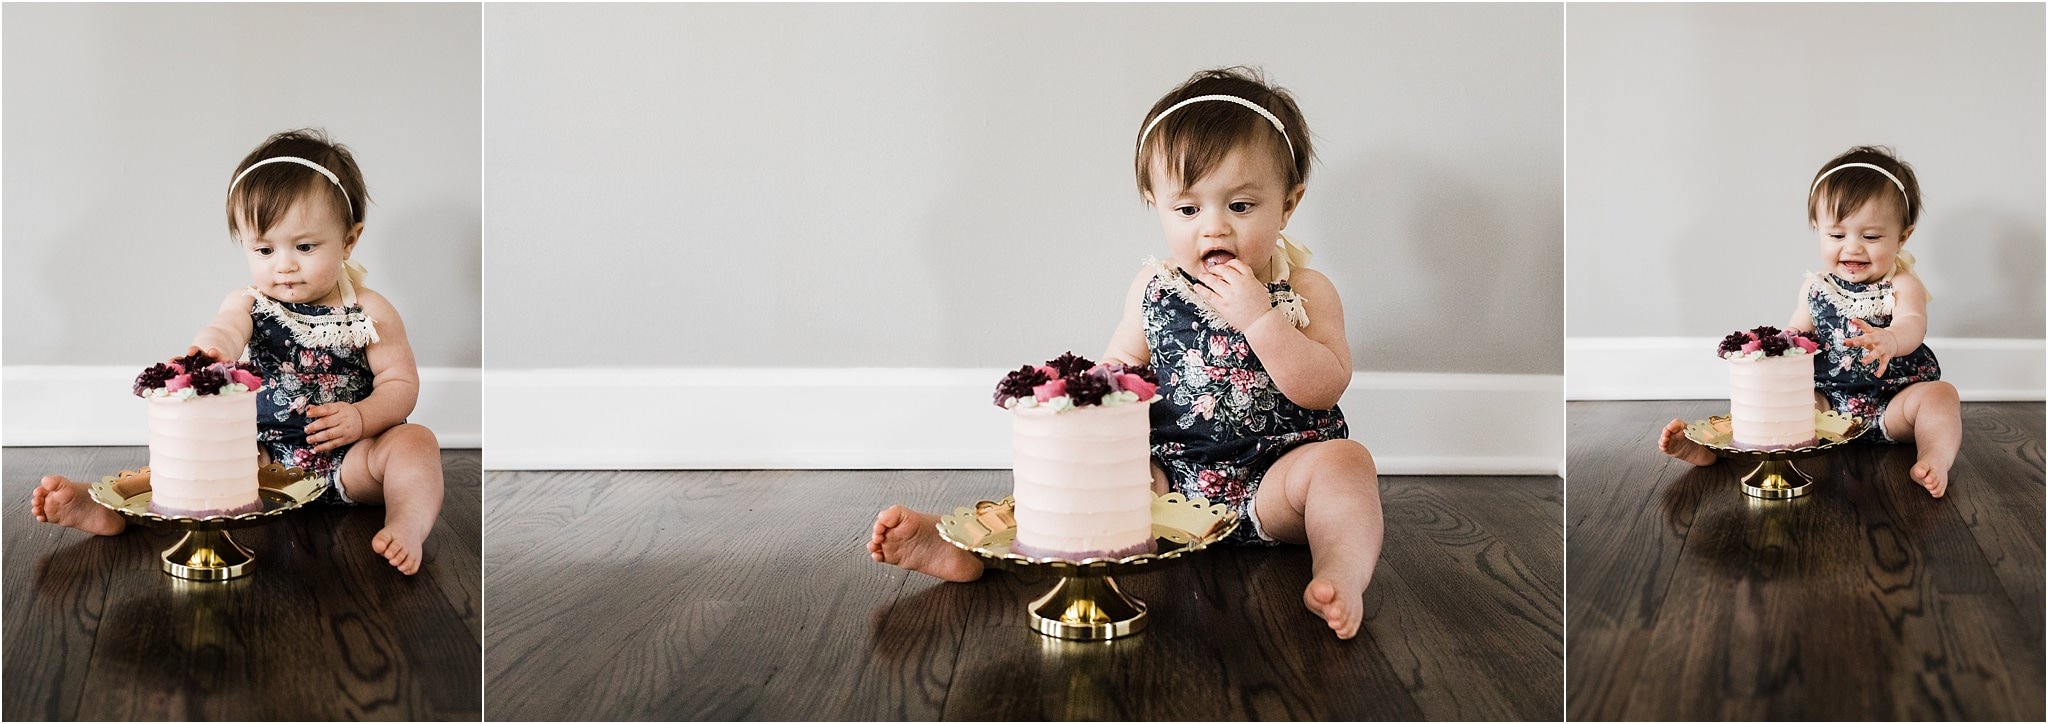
(1864, 247)
(1236, 211)
(299, 258)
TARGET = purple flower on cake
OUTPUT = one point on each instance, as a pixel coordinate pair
(196, 375)
(1765, 341)
(1070, 381)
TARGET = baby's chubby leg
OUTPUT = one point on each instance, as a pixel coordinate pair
(1930, 414)
(401, 470)
(1327, 494)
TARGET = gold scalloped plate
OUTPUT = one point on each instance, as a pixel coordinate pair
(1831, 429)
(280, 488)
(1180, 526)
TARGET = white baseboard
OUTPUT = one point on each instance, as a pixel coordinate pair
(698, 418)
(94, 405)
(1685, 368)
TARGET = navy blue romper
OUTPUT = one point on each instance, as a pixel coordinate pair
(1851, 386)
(308, 355)
(1220, 423)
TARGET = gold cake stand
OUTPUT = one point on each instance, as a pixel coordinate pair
(1775, 477)
(207, 553)
(1087, 605)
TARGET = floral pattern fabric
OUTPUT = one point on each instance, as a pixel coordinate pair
(1220, 423)
(1850, 385)
(297, 376)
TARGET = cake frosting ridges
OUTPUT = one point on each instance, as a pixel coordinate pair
(202, 436)
(1082, 459)
(1770, 380)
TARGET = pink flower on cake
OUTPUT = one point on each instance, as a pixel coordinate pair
(178, 383)
(1805, 344)
(245, 379)
(1049, 390)
(1752, 346)
(1136, 385)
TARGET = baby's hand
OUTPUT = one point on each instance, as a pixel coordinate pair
(1874, 341)
(210, 352)
(1235, 294)
(334, 425)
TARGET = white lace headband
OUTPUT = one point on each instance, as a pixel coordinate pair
(1887, 174)
(1270, 118)
(302, 162)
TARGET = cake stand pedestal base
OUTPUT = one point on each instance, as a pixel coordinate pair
(1775, 477)
(1087, 609)
(1776, 480)
(1087, 605)
(207, 555)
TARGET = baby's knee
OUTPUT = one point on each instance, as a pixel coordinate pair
(411, 436)
(1349, 457)
(1943, 392)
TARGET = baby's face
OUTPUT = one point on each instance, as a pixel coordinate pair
(1863, 247)
(1235, 212)
(299, 258)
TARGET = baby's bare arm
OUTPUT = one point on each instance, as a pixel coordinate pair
(1909, 314)
(1127, 343)
(1311, 365)
(1802, 317)
(396, 385)
(229, 331)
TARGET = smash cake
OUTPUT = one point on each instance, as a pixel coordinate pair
(1770, 380)
(202, 436)
(1083, 474)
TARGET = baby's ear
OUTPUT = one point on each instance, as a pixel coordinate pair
(355, 233)
(1904, 235)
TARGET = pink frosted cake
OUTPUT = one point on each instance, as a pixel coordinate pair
(1770, 380)
(1083, 472)
(202, 436)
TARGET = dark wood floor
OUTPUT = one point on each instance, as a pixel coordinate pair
(1865, 600)
(323, 630)
(750, 595)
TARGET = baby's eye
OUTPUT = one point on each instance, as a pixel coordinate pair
(1240, 206)
(262, 251)
(305, 248)
(1836, 236)
(1185, 210)
(1867, 237)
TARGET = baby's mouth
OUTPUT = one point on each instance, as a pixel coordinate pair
(1855, 267)
(1216, 258)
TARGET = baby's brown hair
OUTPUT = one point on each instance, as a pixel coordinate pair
(1202, 134)
(263, 197)
(1847, 190)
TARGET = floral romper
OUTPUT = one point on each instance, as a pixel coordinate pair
(1851, 386)
(309, 355)
(1220, 423)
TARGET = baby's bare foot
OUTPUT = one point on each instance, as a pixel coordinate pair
(1932, 477)
(907, 538)
(1343, 610)
(404, 551)
(70, 504)
(1672, 441)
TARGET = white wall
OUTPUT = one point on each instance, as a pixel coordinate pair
(122, 128)
(949, 185)
(1696, 129)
